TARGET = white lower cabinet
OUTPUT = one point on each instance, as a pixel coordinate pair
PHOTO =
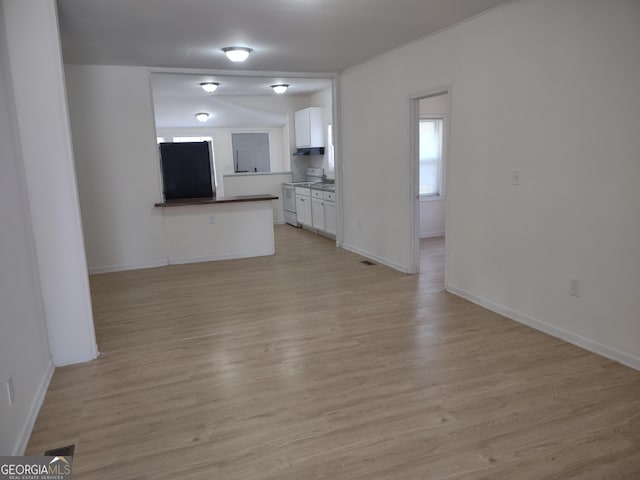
(303, 210)
(330, 217)
(317, 213)
(316, 209)
(323, 211)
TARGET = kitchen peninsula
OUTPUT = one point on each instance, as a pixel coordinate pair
(200, 230)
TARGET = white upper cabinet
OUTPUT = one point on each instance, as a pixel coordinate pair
(309, 127)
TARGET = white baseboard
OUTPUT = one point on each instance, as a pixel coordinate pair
(38, 400)
(624, 358)
(431, 234)
(376, 258)
(212, 258)
(174, 261)
(280, 221)
(79, 356)
(122, 268)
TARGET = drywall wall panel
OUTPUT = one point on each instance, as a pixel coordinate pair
(33, 54)
(432, 217)
(256, 184)
(324, 99)
(117, 165)
(219, 232)
(24, 352)
(545, 87)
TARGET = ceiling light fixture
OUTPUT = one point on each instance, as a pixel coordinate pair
(209, 87)
(237, 54)
(202, 116)
(280, 88)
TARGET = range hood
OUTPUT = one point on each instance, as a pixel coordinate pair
(309, 151)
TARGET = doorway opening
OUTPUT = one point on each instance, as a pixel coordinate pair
(430, 134)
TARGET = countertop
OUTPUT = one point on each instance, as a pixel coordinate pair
(254, 174)
(325, 187)
(210, 201)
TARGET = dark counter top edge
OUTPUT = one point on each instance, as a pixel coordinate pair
(213, 201)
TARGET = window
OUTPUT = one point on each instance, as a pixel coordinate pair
(430, 142)
(160, 139)
(251, 152)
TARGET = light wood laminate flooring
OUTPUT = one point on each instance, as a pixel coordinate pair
(311, 365)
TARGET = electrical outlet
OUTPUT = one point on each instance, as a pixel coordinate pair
(574, 287)
(10, 391)
(212, 219)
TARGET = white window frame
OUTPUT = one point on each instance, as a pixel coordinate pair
(270, 140)
(427, 197)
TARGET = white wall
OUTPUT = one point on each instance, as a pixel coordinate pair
(324, 99)
(257, 183)
(435, 105)
(118, 166)
(283, 104)
(550, 88)
(286, 105)
(24, 352)
(37, 76)
(278, 148)
(118, 169)
(432, 209)
(432, 217)
(243, 183)
(222, 149)
(219, 232)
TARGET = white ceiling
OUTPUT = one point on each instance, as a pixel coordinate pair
(189, 84)
(302, 36)
(286, 35)
(178, 97)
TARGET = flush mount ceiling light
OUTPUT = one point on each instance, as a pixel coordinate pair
(237, 54)
(202, 116)
(280, 88)
(209, 87)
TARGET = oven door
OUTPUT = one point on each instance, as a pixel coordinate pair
(289, 198)
(289, 205)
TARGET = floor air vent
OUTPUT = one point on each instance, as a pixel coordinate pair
(61, 452)
(368, 263)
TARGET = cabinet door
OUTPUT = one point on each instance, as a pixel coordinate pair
(303, 210)
(303, 132)
(307, 211)
(316, 127)
(317, 213)
(330, 217)
(309, 124)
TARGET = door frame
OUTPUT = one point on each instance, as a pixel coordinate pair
(413, 199)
